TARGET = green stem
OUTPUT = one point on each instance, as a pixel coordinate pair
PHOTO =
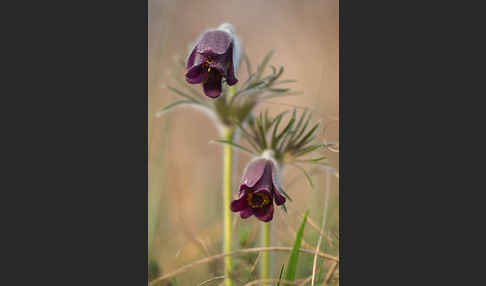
(227, 133)
(231, 93)
(265, 242)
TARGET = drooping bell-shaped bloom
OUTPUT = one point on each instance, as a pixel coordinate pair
(214, 57)
(258, 190)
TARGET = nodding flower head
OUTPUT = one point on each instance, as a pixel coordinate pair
(214, 57)
(258, 190)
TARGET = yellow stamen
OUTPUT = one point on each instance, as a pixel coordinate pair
(208, 63)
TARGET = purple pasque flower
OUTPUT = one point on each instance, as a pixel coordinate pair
(258, 190)
(214, 57)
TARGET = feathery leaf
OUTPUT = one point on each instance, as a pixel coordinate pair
(171, 105)
(234, 145)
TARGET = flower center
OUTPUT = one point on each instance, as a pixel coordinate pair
(207, 63)
(258, 200)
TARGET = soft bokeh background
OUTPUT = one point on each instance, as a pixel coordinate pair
(185, 220)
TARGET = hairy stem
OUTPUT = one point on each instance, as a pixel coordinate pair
(265, 259)
(227, 174)
(228, 134)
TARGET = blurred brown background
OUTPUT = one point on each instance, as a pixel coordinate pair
(185, 170)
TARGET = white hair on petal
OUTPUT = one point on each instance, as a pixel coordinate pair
(227, 27)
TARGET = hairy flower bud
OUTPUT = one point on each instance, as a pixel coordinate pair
(258, 190)
(214, 57)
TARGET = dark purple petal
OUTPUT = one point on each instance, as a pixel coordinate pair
(196, 74)
(240, 204)
(253, 172)
(212, 87)
(211, 60)
(199, 59)
(230, 77)
(230, 74)
(190, 60)
(265, 181)
(277, 186)
(244, 188)
(264, 214)
(246, 213)
(279, 199)
(216, 42)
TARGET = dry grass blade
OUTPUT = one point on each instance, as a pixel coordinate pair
(248, 250)
(212, 279)
(255, 263)
(330, 273)
(324, 219)
(305, 281)
(256, 282)
(192, 237)
(333, 148)
(314, 266)
(324, 215)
